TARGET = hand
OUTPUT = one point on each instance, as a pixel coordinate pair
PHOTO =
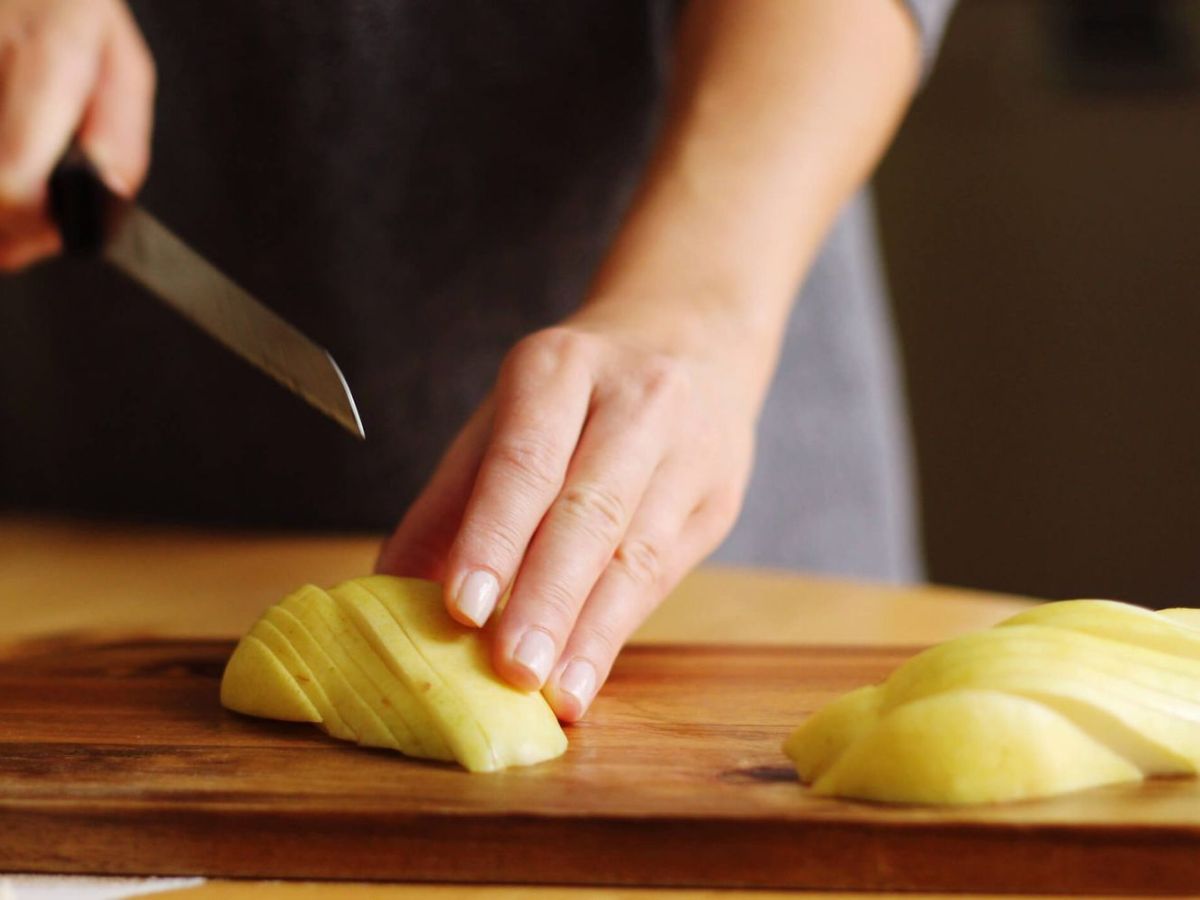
(67, 68)
(597, 473)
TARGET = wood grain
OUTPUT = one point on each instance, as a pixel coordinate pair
(327, 890)
(116, 758)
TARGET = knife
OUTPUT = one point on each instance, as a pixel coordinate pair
(95, 222)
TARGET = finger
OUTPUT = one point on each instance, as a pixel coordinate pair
(116, 127)
(419, 545)
(25, 236)
(18, 253)
(617, 455)
(44, 87)
(542, 399)
(660, 546)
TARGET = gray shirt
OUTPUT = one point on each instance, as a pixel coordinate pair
(416, 185)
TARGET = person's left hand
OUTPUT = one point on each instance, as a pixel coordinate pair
(599, 470)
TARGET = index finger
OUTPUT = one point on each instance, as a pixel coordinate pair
(542, 400)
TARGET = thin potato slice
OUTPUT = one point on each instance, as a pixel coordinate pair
(461, 730)
(970, 746)
(519, 725)
(368, 728)
(257, 684)
(277, 641)
(1058, 698)
(305, 605)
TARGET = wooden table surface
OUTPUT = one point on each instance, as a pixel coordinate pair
(57, 577)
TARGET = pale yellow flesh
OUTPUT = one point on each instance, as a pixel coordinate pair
(368, 728)
(259, 685)
(1062, 697)
(969, 746)
(519, 725)
(462, 731)
(1117, 621)
(1038, 648)
(283, 650)
(304, 605)
(1185, 616)
(379, 661)
(387, 694)
(831, 729)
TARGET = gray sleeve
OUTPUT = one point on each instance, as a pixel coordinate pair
(931, 17)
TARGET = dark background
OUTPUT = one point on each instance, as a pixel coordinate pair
(1040, 213)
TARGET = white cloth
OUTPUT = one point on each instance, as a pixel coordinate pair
(70, 887)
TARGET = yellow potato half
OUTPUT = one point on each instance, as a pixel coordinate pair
(379, 661)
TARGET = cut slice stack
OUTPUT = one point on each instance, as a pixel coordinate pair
(378, 660)
(1061, 697)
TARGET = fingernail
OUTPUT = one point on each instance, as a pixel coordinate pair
(477, 596)
(578, 682)
(535, 652)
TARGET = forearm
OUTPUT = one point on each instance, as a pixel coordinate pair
(779, 111)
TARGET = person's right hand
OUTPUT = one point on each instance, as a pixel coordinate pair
(68, 69)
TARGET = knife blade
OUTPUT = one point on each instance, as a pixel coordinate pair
(96, 222)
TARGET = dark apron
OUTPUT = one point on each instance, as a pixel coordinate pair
(416, 185)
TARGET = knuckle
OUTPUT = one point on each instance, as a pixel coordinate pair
(596, 509)
(556, 606)
(641, 561)
(545, 353)
(20, 29)
(499, 541)
(44, 35)
(664, 378)
(660, 384)
(603, 640)
(558, 341)
(530, 459)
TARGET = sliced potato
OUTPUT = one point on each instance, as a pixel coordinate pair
(378, 660)
(972, 746)
(1120, 622)
(1060, 697)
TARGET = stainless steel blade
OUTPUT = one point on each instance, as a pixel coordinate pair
(150, 254)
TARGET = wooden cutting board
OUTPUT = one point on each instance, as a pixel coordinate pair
(117, 758)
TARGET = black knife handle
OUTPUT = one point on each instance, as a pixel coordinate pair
(80, 204)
